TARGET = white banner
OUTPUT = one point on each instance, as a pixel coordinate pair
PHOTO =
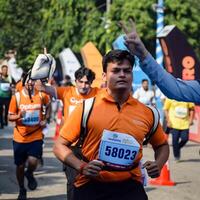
(14, 71)
(69, 63)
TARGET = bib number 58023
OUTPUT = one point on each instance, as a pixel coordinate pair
(120, 153)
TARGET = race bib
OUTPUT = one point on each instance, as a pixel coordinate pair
(181, 112)
(118, 150)
(31, 118)
(5, 86)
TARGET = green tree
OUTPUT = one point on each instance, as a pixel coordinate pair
(70, 24)
(184, 14)
(143, 14)
(20, 28)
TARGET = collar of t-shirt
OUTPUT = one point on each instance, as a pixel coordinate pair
(106, 97)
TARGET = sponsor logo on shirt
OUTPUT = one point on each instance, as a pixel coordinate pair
(29, 106)
(73, 100)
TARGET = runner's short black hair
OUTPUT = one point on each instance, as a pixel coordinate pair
(143, 80)
(117, 56)
(84, 71)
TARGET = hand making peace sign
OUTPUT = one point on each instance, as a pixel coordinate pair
(133, 41)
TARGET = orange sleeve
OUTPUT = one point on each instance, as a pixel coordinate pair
(46, 99)
(13, 106)
(158, 137)
(60, 92)
(19, 86)
(72, 126)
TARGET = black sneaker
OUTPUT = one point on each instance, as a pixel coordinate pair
(22, 194)
(32, 183)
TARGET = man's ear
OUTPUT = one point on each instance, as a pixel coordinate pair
(104, 77)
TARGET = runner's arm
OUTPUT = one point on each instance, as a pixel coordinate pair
(50, 90)
(173, 88)
(14, 114)
(191, 116)
(161, 154)
(14, 117)
(64, 153)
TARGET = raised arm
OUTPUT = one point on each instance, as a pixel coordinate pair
(173, 88)
(48, 89)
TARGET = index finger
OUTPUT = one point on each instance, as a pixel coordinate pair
(146, 164)
(133, 27)
(123, 26)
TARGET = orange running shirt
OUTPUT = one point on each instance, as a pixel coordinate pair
(71, 98)
(134, 118)
(33, 109)
(19, 86)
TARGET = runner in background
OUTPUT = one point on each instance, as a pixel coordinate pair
(144, 94)
(5, 95)
(179, 116)
(27, 111)
(71, 96)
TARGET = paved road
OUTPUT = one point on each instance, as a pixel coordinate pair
(51, 180)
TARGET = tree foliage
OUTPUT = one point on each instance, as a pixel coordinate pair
(30, 25)
(20, 28)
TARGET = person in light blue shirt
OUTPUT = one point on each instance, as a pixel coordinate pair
(180, 90)
(173, 88)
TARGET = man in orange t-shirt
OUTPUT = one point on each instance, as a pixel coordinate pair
(112, 147)
(72, 96)
(27, 111)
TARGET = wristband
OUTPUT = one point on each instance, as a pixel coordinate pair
(82, 167)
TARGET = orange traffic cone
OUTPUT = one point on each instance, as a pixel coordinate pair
(58, 123)
(164, 178)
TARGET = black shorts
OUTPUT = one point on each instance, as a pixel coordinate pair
(23, 150)
(126, 190)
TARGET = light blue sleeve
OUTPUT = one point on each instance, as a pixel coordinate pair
(173, 88)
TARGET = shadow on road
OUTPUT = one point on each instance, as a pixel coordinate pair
(149, 189)
(190, 160)
(56, 197)
(182, 182)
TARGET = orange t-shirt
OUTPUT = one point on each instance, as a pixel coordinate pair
(24, 132)
(71, 98)
(19, 86)
(134, 118)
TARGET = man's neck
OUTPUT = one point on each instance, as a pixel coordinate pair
(83, 94)
(4, 76)
(120, 96)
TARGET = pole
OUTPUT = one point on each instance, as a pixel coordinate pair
(160, 24)
(107, 26)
